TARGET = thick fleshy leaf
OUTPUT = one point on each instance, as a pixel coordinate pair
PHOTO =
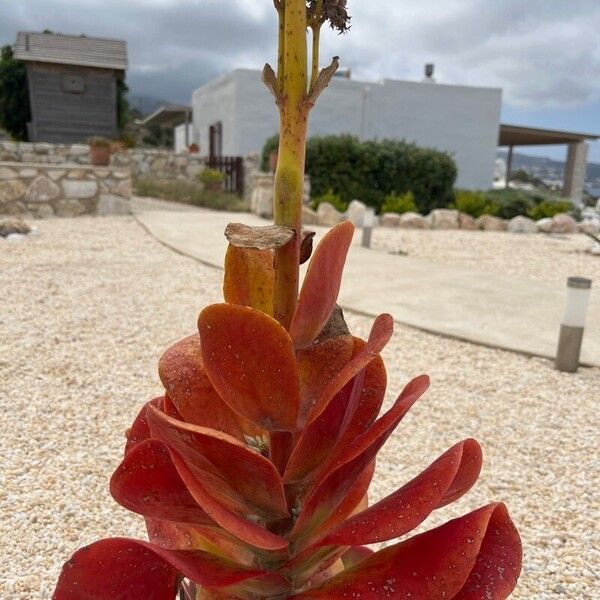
(140, 430)
(234, 474)
(321, 436)
(227, 518)
(317, 366)
(249, 278)
(126, 569)
(355, 555)
(474, 557)
(321, 285)
(345, 469)
(147, 482)
(189, 388)
(381, 332)
(448, 478)
(250, 360)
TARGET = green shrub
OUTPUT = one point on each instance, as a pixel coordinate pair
(474, 203)
(549, 208)
(402, 203)
(511, 203)
(211, 177)
(188, 192)
(332, 198)
(271, 145)
(372, 170)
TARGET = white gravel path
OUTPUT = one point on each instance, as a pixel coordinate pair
(87, 309)
(536, 256)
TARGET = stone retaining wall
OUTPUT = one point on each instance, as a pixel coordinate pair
(63, 190)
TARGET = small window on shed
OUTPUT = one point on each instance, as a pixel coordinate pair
(73, 84)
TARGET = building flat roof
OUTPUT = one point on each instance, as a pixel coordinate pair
(169, 115)
(519, 135)
(57, 48)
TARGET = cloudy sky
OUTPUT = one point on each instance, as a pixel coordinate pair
(545, 54)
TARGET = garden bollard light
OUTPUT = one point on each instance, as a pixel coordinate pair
(571, 330)
(368, 222)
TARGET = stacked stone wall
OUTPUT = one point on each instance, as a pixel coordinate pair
(63, 190)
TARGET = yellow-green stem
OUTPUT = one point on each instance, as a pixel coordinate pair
(289, 176)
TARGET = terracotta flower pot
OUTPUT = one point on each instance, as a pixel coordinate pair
(100, 156)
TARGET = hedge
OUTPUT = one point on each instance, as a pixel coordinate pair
(370, 171)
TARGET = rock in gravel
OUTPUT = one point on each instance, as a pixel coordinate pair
(466, 222)
(16, 237)
(444, 218)
(521, 224)
(355, 212)
(329, 215)
(413, 220)
(544, 225)
(563, 223)
(12, 225)
(390, 219)
(490, 223)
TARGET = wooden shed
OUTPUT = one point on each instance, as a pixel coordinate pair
(73, 82)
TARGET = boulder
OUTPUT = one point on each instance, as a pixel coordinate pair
(7, 173)
(355, 212)
(13, 225)
(43, 211)
(16, 237)
(522, 224)
(261, 197)
(490, 223)
(309, 216)
(444, 218)
(42, 189)
(466, 222)
(563, 223)
(413, 220)
(590, 226)
(390, 219)
(544, 225)
(328, 215)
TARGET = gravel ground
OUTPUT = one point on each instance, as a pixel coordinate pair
(89, 306)
(536, 256)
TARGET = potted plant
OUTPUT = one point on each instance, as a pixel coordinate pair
(100, 151)
(252, 469)
(212, 179)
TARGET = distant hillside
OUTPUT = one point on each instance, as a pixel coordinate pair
(542, 163)
(145, 104)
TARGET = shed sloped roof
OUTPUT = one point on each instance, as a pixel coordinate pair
(71, 50)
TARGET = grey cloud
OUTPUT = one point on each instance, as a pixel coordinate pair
(544, 53)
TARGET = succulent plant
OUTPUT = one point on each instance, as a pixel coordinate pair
(252, 469)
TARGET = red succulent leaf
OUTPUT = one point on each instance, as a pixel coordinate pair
(147, 482)
(189, 388)
(249, 278)
(234, 474)
(351, 411)
(219, 511)
(448, 478)
(355, 555)
(140, 430)
(250, 360)
(321, 285)
(341, 474)
(124, 568)
(317, 365)
(476, 556)
(381, 332)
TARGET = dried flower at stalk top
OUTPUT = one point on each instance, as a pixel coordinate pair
(334, 11)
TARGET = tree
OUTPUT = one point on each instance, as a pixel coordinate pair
(14, 97)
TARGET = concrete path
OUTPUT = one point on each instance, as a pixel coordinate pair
(502, 312)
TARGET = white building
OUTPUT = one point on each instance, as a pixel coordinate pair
(235, 114)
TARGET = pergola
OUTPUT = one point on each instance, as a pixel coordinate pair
(575, 167)
(171, 115)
